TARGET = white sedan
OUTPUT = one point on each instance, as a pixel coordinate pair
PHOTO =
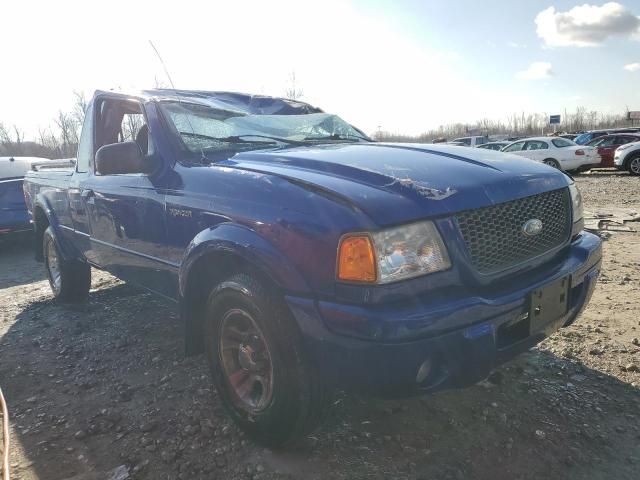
(555, 151)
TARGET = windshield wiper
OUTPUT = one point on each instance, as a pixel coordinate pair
(233, 139)
(241, 138)
(277, 139)
(335, 136)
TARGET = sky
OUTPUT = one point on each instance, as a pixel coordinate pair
(403, 66)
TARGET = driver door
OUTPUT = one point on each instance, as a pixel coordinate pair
(128, 233)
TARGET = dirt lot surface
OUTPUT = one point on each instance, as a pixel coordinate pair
(103, 391)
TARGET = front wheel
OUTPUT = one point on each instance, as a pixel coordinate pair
(634, 165)
(551, 162)
(257, 362)
(70, 280)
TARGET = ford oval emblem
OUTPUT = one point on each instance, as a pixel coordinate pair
(532, 227)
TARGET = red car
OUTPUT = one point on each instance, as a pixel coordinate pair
(607, 145)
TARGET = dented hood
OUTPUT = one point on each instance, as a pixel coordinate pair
(394, 183)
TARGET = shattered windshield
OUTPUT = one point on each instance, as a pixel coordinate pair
(204, 128)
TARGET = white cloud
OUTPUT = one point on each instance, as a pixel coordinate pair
(585, 25)
(632, 67)
(536, 71)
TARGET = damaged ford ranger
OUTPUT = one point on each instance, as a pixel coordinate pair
(305, 257)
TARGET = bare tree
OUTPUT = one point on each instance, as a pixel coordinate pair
(131, 126)
(48, 140)
(79, 107)
(68, 133)
(5, 138)
(19, 135)
(579, 118)
(293, 92)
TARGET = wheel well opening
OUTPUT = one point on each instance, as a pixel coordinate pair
(41, 223)
(209, 270)
(631, 157)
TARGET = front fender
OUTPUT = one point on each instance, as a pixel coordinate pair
(241, 241)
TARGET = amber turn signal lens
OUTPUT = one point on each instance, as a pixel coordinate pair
(356, 261)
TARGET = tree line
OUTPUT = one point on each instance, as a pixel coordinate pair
(517, 124)
(60, 138)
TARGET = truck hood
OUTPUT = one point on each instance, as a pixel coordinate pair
(395, 183)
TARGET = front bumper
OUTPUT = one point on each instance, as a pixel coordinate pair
(495, 329)
(618, 161)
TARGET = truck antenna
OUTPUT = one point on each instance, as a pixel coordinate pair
(203, 158)
(164, 67)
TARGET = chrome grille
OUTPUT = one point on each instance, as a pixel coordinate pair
(495, 238)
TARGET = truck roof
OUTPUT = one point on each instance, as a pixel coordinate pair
(248, 104)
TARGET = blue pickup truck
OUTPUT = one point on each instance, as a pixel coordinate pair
(304, 257)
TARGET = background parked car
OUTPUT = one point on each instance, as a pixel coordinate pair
(586, 137)
(625, 130)
(569, 136)
(472, 141)
(607, 145)
(627, 157)
(14, 217)
(494, 145)
(556, 152)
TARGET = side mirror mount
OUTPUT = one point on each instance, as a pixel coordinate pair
(121, 158)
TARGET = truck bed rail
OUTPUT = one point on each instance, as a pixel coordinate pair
(62, 163)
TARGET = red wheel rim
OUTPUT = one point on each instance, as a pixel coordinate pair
(246, 361)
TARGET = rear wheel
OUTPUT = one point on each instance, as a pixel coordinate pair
(634, 165)
(254, 351)
(551, 162)
(70, 280)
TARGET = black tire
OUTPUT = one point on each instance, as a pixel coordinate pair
(70, 280)
(297, 395)
(551, 162)
(633, 164)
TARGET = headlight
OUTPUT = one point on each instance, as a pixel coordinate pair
(391, 255)
(576, 202)
(625, 146)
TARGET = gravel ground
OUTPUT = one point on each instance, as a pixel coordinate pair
(103, 390)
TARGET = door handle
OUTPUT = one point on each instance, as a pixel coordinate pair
(87, 194)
